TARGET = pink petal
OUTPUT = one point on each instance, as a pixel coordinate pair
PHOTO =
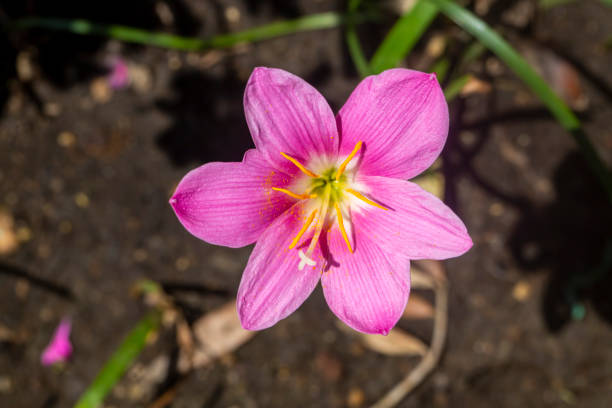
(367, 289)
(286, 114)
(402, 118)
(231, 204)
(59, 348)
(417, 225)
(272, 286)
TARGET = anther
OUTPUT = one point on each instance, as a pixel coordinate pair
(341, 225)
(300, 166)
(294, 195)
(303, 230)
(364, 198)
(347, 160)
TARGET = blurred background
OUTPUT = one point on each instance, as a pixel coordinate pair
(96, 131)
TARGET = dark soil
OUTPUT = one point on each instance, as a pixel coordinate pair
(92, 215)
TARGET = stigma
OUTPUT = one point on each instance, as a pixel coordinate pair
(331, 193)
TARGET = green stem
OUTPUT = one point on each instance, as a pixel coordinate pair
(136, 35)
(352, 41)
(403, 36)
(119, 362)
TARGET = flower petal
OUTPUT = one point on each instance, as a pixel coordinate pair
(286, 114)
(402, 118)
(231, 204)
(59, 348)
(367, 289)
(417, 225)
(272, 286)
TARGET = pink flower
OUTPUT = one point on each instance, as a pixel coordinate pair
(59, 349)
(119, 75)
(325, 198)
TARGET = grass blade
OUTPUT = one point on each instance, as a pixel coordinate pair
(485, 34)
(403, 36)
(352, 41)
(119, 362)
(136, 35)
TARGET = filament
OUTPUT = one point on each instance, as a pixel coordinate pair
(348, 159)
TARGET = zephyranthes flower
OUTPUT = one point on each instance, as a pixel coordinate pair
(325, 198)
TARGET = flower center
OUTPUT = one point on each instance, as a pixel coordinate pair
(329, 190)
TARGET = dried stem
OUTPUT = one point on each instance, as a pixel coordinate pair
(431, 358)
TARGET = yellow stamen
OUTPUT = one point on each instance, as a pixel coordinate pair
(347, 160)
(300, 166)
(303, 230)
(364, 198)
(341, 225)
(294, 195)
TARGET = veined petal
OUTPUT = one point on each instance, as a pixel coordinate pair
(286, 114)
(402, 118)
(231, 204)
(367, 289)
(272, 286)
(417, 226)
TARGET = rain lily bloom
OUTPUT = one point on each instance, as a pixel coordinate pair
(325, 198)
(59, 348)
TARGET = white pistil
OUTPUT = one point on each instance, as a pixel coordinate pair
(305, 260)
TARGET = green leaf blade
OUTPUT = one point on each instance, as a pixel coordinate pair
(403, 36)
(121, 359)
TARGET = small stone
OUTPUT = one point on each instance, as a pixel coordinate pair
(9, 240)
(182, 263)
(467, 138)
(140, 255)
(24, 234)
(52, 109)
(81, 200)
(174, 62)
(65, 227)
(6, 384)
(43, 251)
(232, 14)
(496, 209)
(22, 288)
(140, 78)
(435, 46)
(521, 291)
(24, 67)
(99, 90)
(66, 139)
(355, 397)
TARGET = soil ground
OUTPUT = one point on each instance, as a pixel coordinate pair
(90, 210)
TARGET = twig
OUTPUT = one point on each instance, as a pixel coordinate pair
(431, 358)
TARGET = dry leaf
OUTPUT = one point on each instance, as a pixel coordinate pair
(396, 343)
(559, 73)
(216, 333)
(418, 308)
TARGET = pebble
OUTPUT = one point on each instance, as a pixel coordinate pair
(182, 263)
(521, 291)
(355, 397)
(8, 238)
(232, 14)
(81, 200)
(22, 288)
(99, 90)
(66, 139)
